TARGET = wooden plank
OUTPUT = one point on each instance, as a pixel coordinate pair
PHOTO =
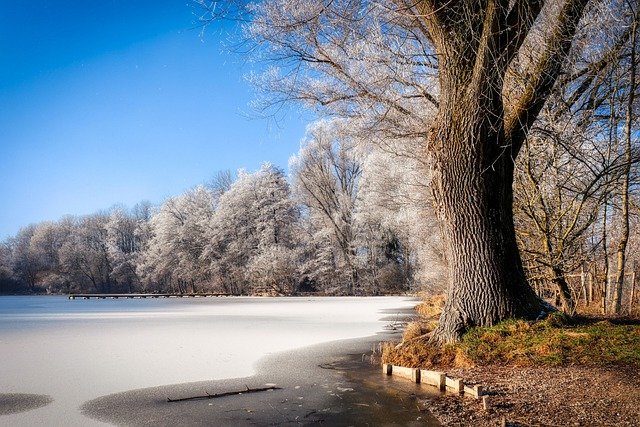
(412, 374)
(434, 378)
(475, 391)
(454, 384)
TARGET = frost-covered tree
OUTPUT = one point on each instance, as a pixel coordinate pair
(274, 270)
(84, 255)
(124, 243)
(325, 175)
(254, 218)
(361, 203)
(24, 260)
(568, 168)
(176, 241)
(220, 183)
(7, 281)
(395, 210)
(46, 242)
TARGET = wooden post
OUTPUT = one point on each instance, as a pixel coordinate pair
(442, 381)
(387, 368)
(415, 376)
(485, 403)
(478, 390)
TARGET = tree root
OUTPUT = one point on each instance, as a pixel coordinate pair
(228, 393)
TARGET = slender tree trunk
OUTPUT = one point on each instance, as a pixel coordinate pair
(564, 291)
(590, 298)
(624, 227)
(583, 284)
(605, 283)
(622, 247)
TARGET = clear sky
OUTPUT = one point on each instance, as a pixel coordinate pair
(119, 101)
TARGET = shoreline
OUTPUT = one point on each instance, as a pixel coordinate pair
(324, 383)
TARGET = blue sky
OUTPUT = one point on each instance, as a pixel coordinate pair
(121, 101)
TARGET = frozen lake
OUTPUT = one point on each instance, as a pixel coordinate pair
(74, 351)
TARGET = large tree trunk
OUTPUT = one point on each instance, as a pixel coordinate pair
(473, 145)
(472, 186)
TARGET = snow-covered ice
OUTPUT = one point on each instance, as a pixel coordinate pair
(79, 350)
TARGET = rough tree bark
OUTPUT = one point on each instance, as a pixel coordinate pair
(486, 278)
(473, 144)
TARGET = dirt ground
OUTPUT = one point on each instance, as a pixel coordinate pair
(544, 396)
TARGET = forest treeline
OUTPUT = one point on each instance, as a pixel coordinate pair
(349, 219)
(329, 227)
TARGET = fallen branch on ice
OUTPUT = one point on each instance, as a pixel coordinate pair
(228, 393)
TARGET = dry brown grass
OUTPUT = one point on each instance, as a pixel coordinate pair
(431, 307)
(417, 329)
(419, 353)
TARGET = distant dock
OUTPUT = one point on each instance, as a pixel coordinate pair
(132, 296)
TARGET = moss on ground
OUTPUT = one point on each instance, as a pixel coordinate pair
(555, 341)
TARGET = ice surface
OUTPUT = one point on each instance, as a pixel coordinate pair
(79, 350)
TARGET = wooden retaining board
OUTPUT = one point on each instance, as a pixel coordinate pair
(412, 374)
(455, 385)
(434, 378)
